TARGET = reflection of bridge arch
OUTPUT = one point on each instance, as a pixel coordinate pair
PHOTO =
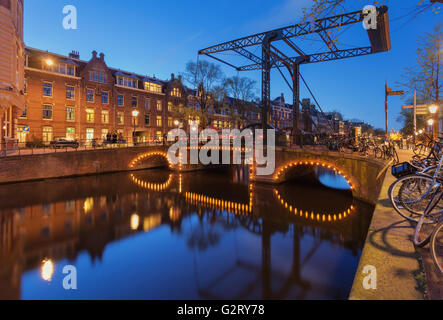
(151, 185)
(314, 216)
(283, 169)
(148, 155)
(231, 206)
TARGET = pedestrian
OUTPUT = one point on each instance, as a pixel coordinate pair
(114, 137)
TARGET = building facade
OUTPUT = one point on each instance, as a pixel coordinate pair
(11, 69)
(85, 100)
(281, 113)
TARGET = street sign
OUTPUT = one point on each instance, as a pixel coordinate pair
(421, 109)
(25, 129)
(395, 93)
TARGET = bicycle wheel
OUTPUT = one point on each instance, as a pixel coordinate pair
(409, 196)
(437, 246)
(425, 226)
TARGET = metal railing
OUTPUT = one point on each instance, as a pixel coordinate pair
(39, 147)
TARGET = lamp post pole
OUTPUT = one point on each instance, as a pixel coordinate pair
(134, 115)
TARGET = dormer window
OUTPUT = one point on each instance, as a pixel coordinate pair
(127, 82)
(153, 87)
(176, 92)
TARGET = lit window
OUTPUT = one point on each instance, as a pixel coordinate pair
(120, 118)
(169, 106)
(90, 115)
(176, 92)
(89, 95)
(159, 121)
(153, 87)
(170, 124)
(47, 134)
(105, 116)
(47, 89)
(70, 133)
(47, 112)
(105, 97)
(159, 105)
(70, 92)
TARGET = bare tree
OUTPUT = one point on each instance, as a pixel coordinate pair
(205, 76)
(241, 89)
(425, 76)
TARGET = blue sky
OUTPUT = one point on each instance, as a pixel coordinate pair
(159, 37)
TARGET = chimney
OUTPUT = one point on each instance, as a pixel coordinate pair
(74, 55)
(102, 56)
(172, 76)
(180, 78)
(94, 54)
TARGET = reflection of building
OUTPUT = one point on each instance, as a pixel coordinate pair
(11, 69)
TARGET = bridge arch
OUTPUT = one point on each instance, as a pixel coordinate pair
(282, 170)
(158, 156)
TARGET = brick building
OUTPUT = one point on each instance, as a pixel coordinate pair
(11, 69)
(281, 113)
(85, 100)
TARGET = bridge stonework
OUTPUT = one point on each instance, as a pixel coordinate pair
(364, 175)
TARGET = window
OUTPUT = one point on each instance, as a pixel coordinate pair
(159, 135)
(146, 119)
(70, 133)
(147, 104)
(47, 134)
(70, 70)
(134, 102)
(153, 87)
(89, 95)
(169, 106)
(105, 116)
(93, 76)
(104, 133)
(25, 112)
(159, 121)
(120, 118)
(89, 134)
(170, 124)
(90, 115)
(70, 114)
(159, 105)
(62, 68)
(70, 92)
(176, 92)
(120, 100)
(105, 97)
(47, 112)
(127, 82)
(47, 89)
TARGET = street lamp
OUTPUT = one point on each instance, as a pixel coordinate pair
(176, 123)
(433, 108)
(135, 114)
(49, 62)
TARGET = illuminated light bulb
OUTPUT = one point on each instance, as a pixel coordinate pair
(290, 208)
(295, 210)
(335, 218)
(323, 218)
(329, 218)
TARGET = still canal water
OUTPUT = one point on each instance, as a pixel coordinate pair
(160, 235)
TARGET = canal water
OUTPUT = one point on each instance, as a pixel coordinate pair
(161, 235)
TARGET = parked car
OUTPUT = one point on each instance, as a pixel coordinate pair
(64, 143)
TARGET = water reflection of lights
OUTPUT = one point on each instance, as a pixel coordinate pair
(47, 270)
(152, 222)
(174, 214)
(88, 205)
(282, 169)
(321, 217)
(135, 221)
(234, 207)
(152, 186)
(148, 155)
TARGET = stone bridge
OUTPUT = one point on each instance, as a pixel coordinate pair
(364, 175)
